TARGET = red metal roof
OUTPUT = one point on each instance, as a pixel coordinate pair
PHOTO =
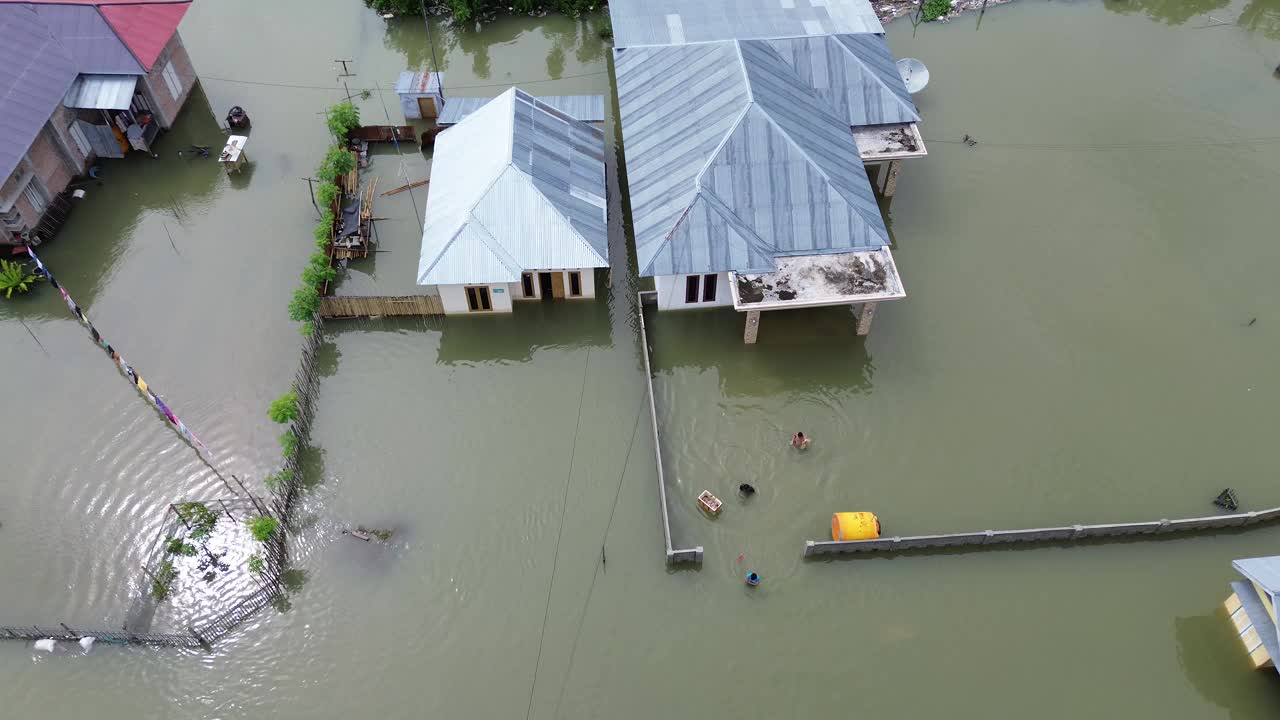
(96, 2)
(145, 28)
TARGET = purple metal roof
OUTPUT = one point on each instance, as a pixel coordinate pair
(33, 80)
(91, 42)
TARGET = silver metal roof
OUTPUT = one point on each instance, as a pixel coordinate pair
(1263, 570)
(855, 74)
(101, 92)
(753, 165)
(33, 78)
(587, 108)
(92, 43)
(418, 83)
(517, 185)
(676, 22)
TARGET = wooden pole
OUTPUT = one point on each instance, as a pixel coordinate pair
(225, 510)
(312, 189)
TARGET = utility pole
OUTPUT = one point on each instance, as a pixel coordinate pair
(312, 188)
(435, 62)
(345, 72)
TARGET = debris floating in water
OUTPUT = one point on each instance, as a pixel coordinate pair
(45, 644)
(1227, 499)
(87, 643)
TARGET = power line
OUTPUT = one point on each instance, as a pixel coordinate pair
(586, 604)
(1100, 147)
(546, 612)
(379, 88)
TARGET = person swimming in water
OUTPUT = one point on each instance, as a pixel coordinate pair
(799, 441)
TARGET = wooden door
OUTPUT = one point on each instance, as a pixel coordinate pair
(427, 108)
(557, 285)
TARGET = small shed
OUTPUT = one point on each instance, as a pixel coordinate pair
(420, 94)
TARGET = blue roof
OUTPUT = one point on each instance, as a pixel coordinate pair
(676, 22)
(517, 185)
(732, 160)
(35, 75)
(855, 74)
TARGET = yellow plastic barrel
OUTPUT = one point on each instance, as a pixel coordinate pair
(854, 526)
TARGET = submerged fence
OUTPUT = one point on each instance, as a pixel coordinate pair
(674, 555)
(370, 306)
(1063, 534)
(115, 637)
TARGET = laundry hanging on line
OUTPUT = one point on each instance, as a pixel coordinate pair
(119, 360)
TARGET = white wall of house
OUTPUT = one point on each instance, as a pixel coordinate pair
(671, 292)
(454, 298)
(588, 276)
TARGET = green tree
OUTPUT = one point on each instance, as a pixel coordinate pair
(17, 276)
(284, 409)
(341, 119)
(262, 527)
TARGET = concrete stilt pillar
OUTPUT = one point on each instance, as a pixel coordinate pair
(753, 327)
(865, 314)
(891, 172)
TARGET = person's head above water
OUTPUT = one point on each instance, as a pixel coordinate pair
(800, 435)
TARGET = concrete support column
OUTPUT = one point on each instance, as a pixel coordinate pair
(865, 314)
(753, 327)
(890, 173)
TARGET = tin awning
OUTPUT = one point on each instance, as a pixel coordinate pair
(101, 92)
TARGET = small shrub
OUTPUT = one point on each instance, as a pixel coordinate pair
(256, 564)
(276, 481)
(305, 303)
(162, 583)
(262, 527)
(176, 546)
(325, 195)
(319, 271)
(337, 162)
(341, 119)
(307, 329)
(288, 443)
(934, 9)
(199, 518)
(16, 276)
(284, 409)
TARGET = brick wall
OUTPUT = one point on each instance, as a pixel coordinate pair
(162, 100)
(50, 168)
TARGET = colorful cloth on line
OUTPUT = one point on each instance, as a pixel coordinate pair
(119, 360)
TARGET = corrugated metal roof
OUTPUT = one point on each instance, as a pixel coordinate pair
(587, 108)
(418, 83)
(33, 78)
(145, 29)
(855, 74)
(516, 186)
(101, 92)
(90, 41)
(676, 22)
(754, 164)
(1263, 570)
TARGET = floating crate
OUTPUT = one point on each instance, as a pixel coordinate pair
(709, 502)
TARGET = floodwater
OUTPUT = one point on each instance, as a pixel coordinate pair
(1076, 346)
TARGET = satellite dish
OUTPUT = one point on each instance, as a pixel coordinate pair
(914, 74)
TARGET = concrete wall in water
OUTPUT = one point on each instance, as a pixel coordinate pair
(1066, 533)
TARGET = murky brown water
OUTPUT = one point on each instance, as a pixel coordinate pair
(1075, 347)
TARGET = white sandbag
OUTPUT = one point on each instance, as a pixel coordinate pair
(87, 643)
(45, 644)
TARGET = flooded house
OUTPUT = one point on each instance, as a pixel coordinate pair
(747, 128)
(84, 79)
(1252, 607)
(516, 210)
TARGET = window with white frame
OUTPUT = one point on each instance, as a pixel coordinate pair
(170, 76)
(35, 195)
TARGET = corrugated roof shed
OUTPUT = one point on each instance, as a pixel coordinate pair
(757, 165)
(145, 28)
(33, 78)
(587, 108)
(855, 74)
(676, 22)
(516, 186)
(101, 92)
(90, 41)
